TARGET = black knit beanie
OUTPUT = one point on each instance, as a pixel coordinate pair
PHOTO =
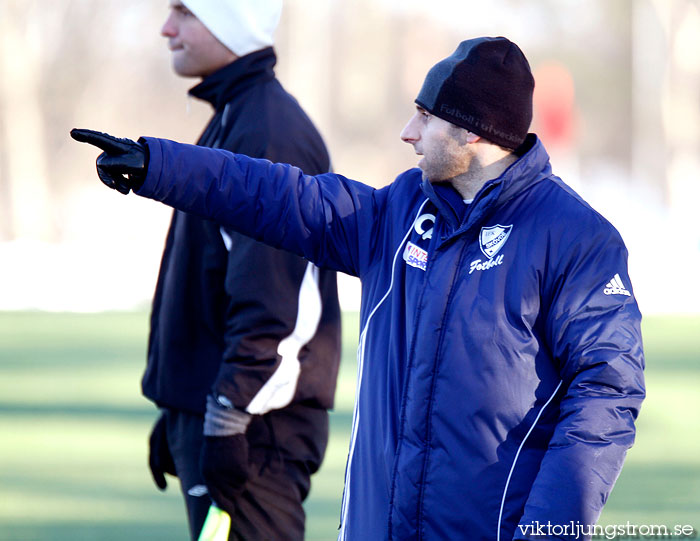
(486, 87)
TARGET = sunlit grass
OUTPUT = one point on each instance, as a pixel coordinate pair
(74, 429)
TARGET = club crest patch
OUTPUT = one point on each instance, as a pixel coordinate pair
(492, 239)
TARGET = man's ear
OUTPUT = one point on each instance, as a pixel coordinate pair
(472, 137)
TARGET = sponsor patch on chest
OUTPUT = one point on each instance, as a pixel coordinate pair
(415, 256)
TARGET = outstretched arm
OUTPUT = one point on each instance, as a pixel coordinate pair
(326, 218)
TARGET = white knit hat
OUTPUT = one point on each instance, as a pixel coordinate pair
(243, 26)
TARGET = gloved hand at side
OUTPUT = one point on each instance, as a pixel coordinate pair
(123, 164)
(160, 461)
(224, 458)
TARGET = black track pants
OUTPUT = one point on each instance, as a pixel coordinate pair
(270, 506)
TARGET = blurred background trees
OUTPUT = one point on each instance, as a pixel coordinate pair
(617, 105)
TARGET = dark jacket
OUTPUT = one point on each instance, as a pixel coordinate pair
(500, 356)
(231, 315)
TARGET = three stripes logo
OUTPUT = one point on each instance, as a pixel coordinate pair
(616, 287)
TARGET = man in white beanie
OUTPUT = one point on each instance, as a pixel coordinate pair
(238, 327)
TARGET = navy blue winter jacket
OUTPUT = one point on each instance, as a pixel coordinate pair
(500, 355)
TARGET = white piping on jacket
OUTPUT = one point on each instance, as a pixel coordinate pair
(228, 241)
(512, 468)
(360, 367)
(278, 391)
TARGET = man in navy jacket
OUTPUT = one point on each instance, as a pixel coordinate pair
(256, 329)
(500, 355)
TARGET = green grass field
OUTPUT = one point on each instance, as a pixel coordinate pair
(73, 433)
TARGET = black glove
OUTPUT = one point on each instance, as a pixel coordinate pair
(224, 457)
(224, 467)
(123, 164)
(159, 458)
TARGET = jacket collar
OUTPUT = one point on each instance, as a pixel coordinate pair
(530, 168)
(226, 83)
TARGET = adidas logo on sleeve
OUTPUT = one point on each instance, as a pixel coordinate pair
(616, 287)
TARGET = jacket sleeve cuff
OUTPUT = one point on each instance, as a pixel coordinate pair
(220, 420)
(150, 183)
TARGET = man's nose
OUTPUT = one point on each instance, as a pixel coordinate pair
(168, 29)
(410, 132)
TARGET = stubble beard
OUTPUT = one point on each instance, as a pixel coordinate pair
(440, 170)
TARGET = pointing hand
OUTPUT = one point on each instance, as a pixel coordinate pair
(123, 163)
